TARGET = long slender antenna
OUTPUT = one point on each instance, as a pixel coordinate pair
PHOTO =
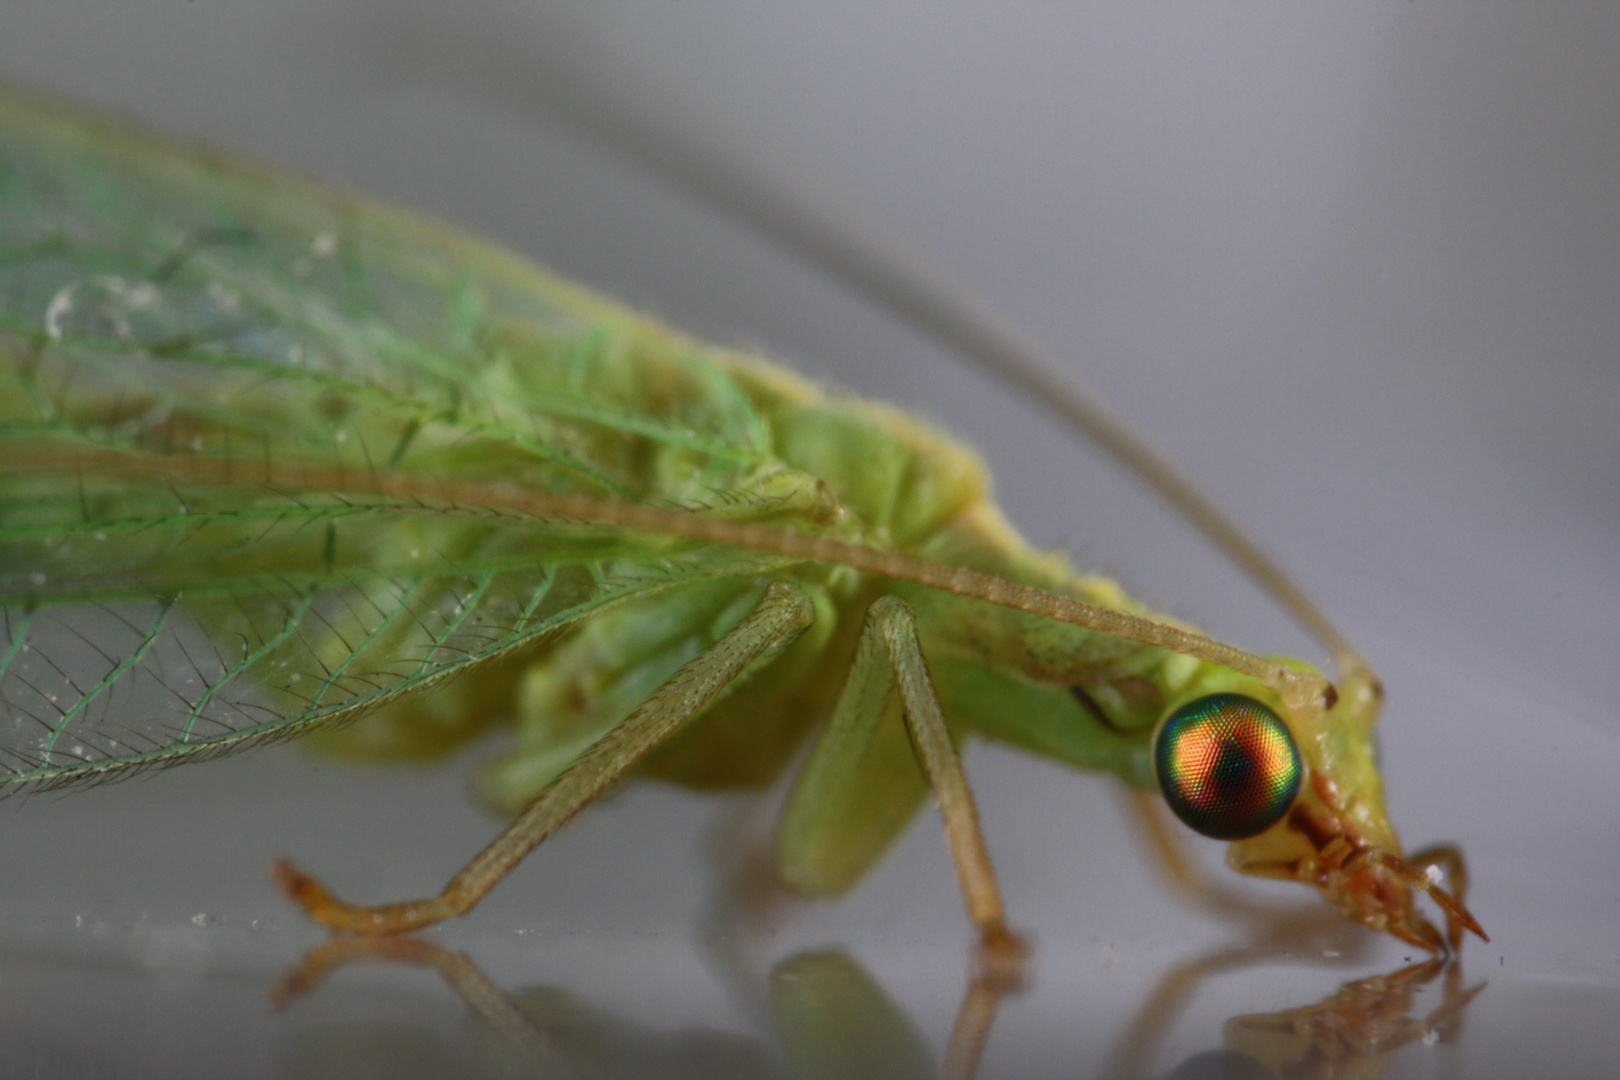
(657, 129)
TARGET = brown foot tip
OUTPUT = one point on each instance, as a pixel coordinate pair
(1459, 920)
(319, 905)
(298, 886)
(1004, 959)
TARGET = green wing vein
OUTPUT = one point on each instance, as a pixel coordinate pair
(169, 305)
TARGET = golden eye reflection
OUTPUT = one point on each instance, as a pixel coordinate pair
(1227, 765)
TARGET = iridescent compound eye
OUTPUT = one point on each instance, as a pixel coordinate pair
(1227, 765)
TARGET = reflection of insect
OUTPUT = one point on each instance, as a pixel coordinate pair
(834, 1019)
(276, 459)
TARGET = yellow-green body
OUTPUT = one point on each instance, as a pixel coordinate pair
(162, 306)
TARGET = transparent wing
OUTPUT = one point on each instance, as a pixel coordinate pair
(168, 305)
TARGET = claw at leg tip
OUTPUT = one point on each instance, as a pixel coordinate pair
(1004, 958)
(291, 881)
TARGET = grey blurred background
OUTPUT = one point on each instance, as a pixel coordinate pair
(1356, 267)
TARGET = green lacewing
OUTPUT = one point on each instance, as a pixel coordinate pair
(281, 461)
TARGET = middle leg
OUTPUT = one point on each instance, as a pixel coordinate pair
(842, 812)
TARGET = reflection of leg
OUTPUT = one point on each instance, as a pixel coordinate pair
(750, 900)
(1133, 1053)
(1354, 1028)
(780, 616)
(1276, 933)
(835, 1021)
(1365, 1019)
(970, 1032)
(465, 978)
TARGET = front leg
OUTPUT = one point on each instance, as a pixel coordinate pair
(781, 616)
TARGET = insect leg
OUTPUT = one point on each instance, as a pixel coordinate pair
(818, 825)
(781, 616)
(932, 740)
